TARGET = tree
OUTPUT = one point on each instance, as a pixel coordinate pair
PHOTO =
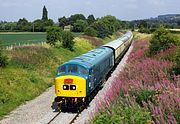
(125, 24)
(90, 19)
(45, 14)
(102, 30)
(80, 26)
(178, 23)
(111, 23)
(143, 27)
(74, 18)
(90, 32)
(67, 40)
(10, 26)
(143, 23)
(40, 25)
(23, 25)
(54, 34)
(48, 22)
(161, 40)
(63, 21)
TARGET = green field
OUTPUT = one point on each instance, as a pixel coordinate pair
(16, 38)
(9, 39)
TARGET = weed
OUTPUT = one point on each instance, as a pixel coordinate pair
(150, 83)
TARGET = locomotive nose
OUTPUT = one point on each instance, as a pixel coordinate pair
(70, 86)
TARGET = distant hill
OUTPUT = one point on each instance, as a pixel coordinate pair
(170, 20)
(174, 18)
(169, 16)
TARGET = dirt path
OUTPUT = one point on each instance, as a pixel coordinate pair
(32, 111)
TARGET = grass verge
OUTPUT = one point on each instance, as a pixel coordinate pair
(31, 70)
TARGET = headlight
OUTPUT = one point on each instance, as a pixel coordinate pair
(72, 87)
(65, 87)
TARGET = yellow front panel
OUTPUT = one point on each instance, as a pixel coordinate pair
(78, 81)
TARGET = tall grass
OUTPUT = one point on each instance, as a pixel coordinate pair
(148, 84)
(31, 56)
(31, 70)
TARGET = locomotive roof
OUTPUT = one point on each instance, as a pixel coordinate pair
(92, 57)
(116, 43)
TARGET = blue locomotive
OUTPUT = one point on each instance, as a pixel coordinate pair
(78, 78)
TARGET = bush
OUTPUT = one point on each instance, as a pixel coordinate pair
(53, 35)
(123, 111)
(68, 42)
(80, 26)
(144, 30)
(161, 40)
(3, 58)
(101, 28)
(90, 32)
(172, 54)
(143, 95)
(177, 59)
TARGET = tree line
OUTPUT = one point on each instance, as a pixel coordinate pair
(38, 25)
(77, 23)
(150, 25)
(100, 27)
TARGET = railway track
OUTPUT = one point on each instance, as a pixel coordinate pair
(70, 118)
(53, 118)
(64, 118)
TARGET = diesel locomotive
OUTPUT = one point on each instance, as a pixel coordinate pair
(78, 78)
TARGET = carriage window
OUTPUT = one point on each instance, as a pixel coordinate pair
(72, 68)
(61, 70)
(83, 70)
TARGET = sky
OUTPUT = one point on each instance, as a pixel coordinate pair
(13, 10)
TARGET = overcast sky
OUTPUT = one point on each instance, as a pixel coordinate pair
(12, 10)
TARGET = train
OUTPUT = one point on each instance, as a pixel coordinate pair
(77, 79)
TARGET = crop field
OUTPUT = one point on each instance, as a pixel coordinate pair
(8, 39)
(178, 36)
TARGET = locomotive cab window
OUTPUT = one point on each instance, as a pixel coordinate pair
(83, 70)
(61, 70)
(72, 68)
